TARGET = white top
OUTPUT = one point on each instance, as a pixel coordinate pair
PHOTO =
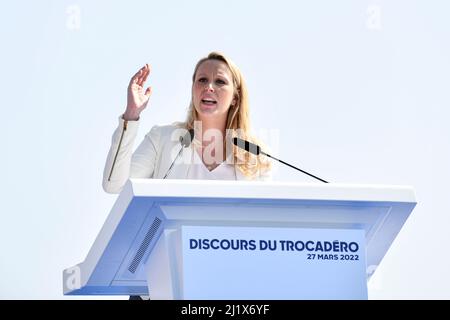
(198, 171)
(154, 156)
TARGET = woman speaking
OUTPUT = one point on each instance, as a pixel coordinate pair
(218, 111)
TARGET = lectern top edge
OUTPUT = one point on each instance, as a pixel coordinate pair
(270, 190)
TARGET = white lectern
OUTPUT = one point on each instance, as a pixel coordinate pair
(202, 239)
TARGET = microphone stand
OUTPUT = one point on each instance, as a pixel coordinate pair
(185, 142)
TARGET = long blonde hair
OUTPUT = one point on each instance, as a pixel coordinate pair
(238, 120)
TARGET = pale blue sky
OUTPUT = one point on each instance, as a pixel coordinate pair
(358, 92)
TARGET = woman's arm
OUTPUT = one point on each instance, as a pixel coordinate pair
(119, 163)
(122, 163)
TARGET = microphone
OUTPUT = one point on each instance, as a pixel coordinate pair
(187, 138)
(256, 150)
(185, 142)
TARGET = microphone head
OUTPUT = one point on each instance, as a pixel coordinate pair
(187, 138)
(247, 146)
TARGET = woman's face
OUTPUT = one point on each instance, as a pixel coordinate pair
(213, 89)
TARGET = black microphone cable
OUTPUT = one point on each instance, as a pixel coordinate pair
(256, 150)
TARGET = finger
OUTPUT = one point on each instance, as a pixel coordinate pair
(134, 78)
(138, 75)
(141, 74)
(144, 75)
(148, 92)
(141, 78)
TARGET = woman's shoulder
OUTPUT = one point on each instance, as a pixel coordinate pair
(167, 130)
(168, 127)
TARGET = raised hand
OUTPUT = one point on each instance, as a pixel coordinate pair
(137, 98)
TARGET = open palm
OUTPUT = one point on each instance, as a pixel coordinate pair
(137, 98)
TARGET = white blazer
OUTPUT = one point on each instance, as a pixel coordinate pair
(152, 158)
